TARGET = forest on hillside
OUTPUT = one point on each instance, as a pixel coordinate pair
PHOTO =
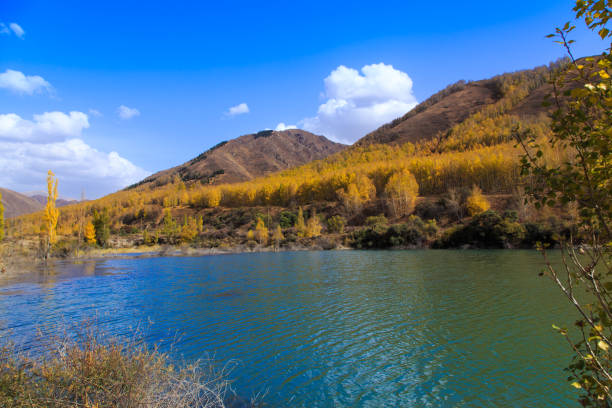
(365, 194)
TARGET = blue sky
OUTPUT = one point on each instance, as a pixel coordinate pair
(177, 68)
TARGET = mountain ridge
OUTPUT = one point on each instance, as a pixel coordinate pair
(247, 157)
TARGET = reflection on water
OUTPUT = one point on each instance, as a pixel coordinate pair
(352, 328)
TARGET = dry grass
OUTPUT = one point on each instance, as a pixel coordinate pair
(95, 371)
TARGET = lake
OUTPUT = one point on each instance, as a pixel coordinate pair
(418, 328)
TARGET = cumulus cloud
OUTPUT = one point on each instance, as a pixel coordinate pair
(17, 81)
(359, 102)
(44, 128)
(125, 112)
(239, 109)
(53, 140)
(17, 30)
(281, 126)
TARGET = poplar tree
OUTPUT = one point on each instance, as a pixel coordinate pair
(300, 224)
(51, 213)
(1, 219)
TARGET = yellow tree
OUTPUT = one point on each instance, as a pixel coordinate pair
(1, 219)
(401, 192)
(51, 212)
(90, 233)
(313, 227)
(476, 203)
(278, 236)
(300, 224)
(261, 232)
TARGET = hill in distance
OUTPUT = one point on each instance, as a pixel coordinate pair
(16, 204)
(457, 102)
(248, 157)
(60, 202)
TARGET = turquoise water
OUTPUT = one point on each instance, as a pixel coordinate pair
(328, 329)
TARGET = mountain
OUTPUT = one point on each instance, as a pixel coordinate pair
(16, 204)
(248, 157)
(60, 202)
(521, 93)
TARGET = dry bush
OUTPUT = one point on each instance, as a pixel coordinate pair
(95, 371)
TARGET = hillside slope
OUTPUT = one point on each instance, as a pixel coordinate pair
(248, 157)
(16, 204)
(523, 93)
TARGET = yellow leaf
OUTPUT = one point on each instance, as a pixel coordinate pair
(576, 385)
(598, 327)
(603, 345)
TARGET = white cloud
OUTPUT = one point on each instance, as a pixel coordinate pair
(95, 112)
(4, 29)
(127, 113)
(17, 81)
(44, 128)
(358, 103)
(239, 109)
(53, 141)
(17, 30)
(281, 126)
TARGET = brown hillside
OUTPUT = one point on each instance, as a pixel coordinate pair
(437, 114)
(250, 156)
(16, 204)
(456, 103)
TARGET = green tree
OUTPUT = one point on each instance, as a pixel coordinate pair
(582, 128)
(101, 223)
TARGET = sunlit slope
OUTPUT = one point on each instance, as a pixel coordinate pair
(478, 150)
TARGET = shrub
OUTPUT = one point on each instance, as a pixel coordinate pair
(287, 219)
(476, 203)
(415, 232)
(98, 372)
(336, 224)
(431, 210)
(485, 230)
(376, 220)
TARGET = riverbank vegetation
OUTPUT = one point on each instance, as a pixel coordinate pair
(94, 371)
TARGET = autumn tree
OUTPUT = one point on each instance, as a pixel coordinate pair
(169, 227)
(261, 232)
(278, 236)
(313, 226)
(357, 193)
(51, 213)
(401, 193)
(300, 224)
(1, 219)
(582, 127)
(476, 203)
(189, 229)
(90, 233)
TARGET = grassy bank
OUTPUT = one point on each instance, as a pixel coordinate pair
(95, 371)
